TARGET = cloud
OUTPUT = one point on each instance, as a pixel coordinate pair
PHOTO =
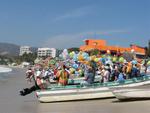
(63, 41)
(76, 13)
(76, 40)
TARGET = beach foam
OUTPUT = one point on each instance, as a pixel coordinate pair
(5, 69)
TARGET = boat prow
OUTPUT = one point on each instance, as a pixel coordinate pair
(132, 94)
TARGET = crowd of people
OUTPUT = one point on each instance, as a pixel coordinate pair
(107, 68)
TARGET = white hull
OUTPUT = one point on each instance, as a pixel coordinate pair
(73, 94)
(126, 94)
(81, 93)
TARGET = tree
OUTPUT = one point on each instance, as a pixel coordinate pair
(5, 60)
(26, 58)
(94, 52)
(73, 49)
(147, 50)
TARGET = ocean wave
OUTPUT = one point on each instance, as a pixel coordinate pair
(5, 69)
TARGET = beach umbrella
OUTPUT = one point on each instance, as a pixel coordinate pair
(148, 63)
(52, 62)
(121, 59)
(71, 54)
(96, 59)
(85, 56)
(88, 58)
(75, 57)
(102, 60)
(103, 56)
(75, 66)
(108, 62)
(80, 58)
(92, 57)
(114, 59)
(80, 71)
(65, 54)
(109, 57)
(72, 70)
(134, 62)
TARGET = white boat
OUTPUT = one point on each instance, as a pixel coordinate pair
(132, 93)
(73, 94)
(76, 92)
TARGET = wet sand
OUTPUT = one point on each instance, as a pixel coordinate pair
(12, 102)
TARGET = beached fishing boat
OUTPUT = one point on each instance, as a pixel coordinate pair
(96, 90)
(132, 93)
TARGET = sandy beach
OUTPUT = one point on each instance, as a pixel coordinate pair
(12, 102)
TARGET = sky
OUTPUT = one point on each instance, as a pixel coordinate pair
(66, 23)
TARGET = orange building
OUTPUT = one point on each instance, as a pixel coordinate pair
(102, 46)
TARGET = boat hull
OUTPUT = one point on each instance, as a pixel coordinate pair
(82, 93)
(132, 94)
(74, 94)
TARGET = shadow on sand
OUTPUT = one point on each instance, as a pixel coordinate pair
(131, 100)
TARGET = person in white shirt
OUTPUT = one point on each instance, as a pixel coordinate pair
(106, 74)
(143, 70)
(29, 74)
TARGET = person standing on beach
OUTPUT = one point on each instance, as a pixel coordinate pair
(39, 83)
(29, 74)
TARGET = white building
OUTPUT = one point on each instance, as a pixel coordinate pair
(25, 49)
(42, 52)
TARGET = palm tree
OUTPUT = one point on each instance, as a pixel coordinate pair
(147, 50)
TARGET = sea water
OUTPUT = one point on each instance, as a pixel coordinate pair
(5, 69)
(4, 72)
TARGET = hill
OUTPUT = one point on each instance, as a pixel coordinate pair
(8, 49)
